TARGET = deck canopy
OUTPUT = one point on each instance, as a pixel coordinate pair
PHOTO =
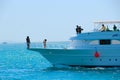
(107, 22)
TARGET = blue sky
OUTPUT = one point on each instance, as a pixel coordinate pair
(54, 20)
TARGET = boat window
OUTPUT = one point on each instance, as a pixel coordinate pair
(94, 42)
(105, 42)
(115, 42)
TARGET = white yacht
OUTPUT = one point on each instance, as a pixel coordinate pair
(90, 49)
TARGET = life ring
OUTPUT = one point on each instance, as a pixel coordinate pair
(97, 54)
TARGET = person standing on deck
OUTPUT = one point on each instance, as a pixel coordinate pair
(28, 42)
(115, 28)
(78, 29)
(44, 43)
(103, 28)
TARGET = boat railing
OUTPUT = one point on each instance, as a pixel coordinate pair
(50, 45)
(108, 24)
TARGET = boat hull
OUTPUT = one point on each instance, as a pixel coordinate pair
(81, 57)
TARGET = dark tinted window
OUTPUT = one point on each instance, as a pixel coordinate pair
(105, 42)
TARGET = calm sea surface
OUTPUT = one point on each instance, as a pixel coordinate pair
(17, 63)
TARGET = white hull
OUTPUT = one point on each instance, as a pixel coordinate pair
(84, 57)
(99, 48)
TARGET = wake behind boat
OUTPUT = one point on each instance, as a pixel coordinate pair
(98, 48)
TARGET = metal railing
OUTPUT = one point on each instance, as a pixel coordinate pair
(51, 45)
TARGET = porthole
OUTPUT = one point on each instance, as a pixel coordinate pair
(90, 59)
(109, 59)
(115, 59)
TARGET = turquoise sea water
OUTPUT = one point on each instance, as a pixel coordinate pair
(18, 63)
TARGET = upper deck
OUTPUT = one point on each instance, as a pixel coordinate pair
(113, 35)
(102, 30)
(108, 26)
